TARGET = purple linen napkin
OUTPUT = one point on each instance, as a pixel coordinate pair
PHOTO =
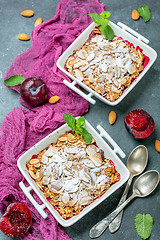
(22, 129)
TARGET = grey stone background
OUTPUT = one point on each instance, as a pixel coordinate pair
(145, 95)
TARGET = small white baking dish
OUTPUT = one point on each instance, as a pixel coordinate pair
(120, 30)
(108, 153)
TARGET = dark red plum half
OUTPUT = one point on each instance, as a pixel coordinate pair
(139, 123)
(16, 221)
(33, 91)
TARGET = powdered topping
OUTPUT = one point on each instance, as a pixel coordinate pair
(72, 173)
(106, 66)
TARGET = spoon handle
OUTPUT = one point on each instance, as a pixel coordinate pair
(101, 226)
(115, 224)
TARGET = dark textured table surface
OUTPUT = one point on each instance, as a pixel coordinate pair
(145, 95)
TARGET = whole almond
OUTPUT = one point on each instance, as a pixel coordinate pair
(54, 99)
(157, 145)
(112, 117)
(38, 21)
(23, 37)
(135, 14)
(27, 13)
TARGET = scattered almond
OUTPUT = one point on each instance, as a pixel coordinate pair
(23, 37)
(54, 99)
(27, 13)
(38, 21)
(135, 14)
(112, 117)
(157, 145)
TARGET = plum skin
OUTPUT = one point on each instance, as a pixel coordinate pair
(33, 91)
(139, 123)
(16, 221)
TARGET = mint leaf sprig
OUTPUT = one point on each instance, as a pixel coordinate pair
(145, 13)
(143, 224)
(77, 126)
(103, 21)
(14, 80)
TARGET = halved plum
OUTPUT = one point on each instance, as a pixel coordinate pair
(16, 221)
(139, 123)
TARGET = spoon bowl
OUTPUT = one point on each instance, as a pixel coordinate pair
(137, 160)
(146, 183)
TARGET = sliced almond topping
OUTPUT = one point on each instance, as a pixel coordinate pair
(65, 198)
(79, 64)
(97, 31)
(84, 68)
(37, 165)
(34, 161)
(90, 57)
(72, 202)
(70, 62)
(63, 139)
(132, 69)
(85, 200)
(81, 54)
(33, 175)
(79, 74)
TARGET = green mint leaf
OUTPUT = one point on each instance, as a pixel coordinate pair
(95, 17)
(104, 22)
(77, 126)
(87, 137)
(145, 13)
(105, 29)
(107, 32)
(105, 14)
(80, 122)
(70, 120)
(79, 130)
(14, 80)
(144, 224)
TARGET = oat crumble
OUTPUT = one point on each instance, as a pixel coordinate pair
(72, 173)
(107, 67)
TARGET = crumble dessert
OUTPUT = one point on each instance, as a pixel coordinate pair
(72, 173)
(107, 67)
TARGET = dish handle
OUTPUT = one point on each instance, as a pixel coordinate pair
(82, 94)
(39, 208)
(134, 33)
(116, 149)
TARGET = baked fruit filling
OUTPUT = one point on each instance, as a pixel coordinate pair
(107, 67)
(72, 173)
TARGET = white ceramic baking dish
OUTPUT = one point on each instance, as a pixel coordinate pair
(120, 30)
(108, 153)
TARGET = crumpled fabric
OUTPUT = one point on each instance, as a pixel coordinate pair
(21, 128)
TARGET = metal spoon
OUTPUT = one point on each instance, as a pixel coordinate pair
(136, 164)
(142, 187)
